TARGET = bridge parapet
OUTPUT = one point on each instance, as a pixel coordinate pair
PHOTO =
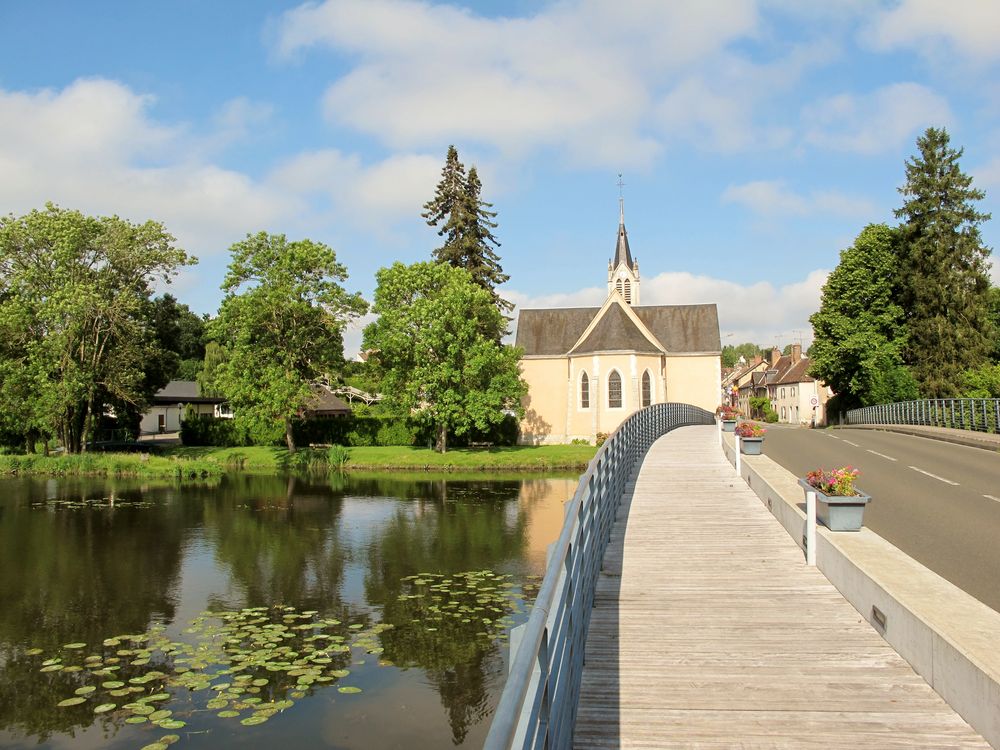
(979, 414)
(539, 702)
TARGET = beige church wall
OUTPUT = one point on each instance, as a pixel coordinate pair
(545, 405)
(695, 380)
(586, 423)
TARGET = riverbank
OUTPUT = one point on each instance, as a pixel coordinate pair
(194, 462)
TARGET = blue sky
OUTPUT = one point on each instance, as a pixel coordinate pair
(756, 137)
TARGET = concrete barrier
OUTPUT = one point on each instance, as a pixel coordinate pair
(949, 638)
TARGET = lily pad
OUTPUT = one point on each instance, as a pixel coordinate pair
(160, 715)
(154, 746)
(170, 739)
(252, 720)
(75, 645)
(71, 702)
(229, 714)
(85, 690)
(33, 652)
(348, 689)
(171, 724)
(105, 707)
(112, 684)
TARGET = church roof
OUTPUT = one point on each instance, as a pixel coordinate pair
(680, 328)
(616, 332)
(622, 253)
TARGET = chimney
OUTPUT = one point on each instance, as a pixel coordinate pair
(796, 352)
(757, 359)
(775, 356)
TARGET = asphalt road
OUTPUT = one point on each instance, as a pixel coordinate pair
(938, 502)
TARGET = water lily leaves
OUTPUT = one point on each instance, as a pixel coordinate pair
(347, 689)
(136, 720)
(155, 746)
(33, 652)
(253, 720)
(260, 682)
(112, 684)
(86, 690)
(71, 702)
(171, 724)
(51, 668)
(216, 703)
(170, 739)
(228, 714)
(160, 715)
(140, 708)
(105, 707)
(75, 646)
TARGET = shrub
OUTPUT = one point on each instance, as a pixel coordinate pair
(338, 455)
(601, 437)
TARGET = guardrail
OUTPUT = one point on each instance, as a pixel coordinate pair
(538, 706)
(980, 414)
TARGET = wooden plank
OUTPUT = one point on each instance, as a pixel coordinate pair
(710, 631)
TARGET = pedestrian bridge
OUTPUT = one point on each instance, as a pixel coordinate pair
(677, 612)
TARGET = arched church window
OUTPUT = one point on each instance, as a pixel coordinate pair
(628, 292)
(647, 389)
(614, 390)
(618, 286)
(584, 391)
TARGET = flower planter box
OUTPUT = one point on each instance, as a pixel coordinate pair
(836, 512)
(728, 425)
(751, 445)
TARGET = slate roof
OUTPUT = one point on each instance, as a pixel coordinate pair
(680, 328)
(622, 252)
(796, 373)
(182, 392)
(616, 332)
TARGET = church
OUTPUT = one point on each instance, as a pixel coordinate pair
(588, 368)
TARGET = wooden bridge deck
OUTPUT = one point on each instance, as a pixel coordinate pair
(710, 631)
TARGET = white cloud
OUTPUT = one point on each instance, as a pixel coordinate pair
(877, 122)
(773, 198)
(759, 312)
(580, 76)
(367, 194)
(987, 174)
(92, 146)
(968, 29)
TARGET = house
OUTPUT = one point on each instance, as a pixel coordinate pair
(797, 397)
(742, 385)
(171, 402)
(588, 368)
(324, 403)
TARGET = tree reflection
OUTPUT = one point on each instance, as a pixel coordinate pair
(70, 573)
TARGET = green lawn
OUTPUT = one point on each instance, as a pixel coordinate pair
(187, 462)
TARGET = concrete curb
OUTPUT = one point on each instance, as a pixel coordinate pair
(948, 637)
(958, 437)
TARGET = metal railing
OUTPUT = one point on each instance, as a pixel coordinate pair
(538, 706)
(980, 414)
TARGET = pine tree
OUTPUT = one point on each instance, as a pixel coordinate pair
(945, 283)
(466, 223)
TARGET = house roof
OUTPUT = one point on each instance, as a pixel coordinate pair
(323, 403)
(796, 373)
(683, 329)
(616, 331)
(183, 392)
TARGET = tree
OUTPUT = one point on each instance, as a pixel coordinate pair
(180, 334)
(281, 324)
(731, 354)
(438, 352)
(859, 329)
(944, 263)
(466, 223)
(74, 325)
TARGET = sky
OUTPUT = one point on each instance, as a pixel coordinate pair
(755, 138)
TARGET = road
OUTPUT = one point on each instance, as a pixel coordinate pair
(938, 502)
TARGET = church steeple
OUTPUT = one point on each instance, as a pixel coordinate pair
(623, 272)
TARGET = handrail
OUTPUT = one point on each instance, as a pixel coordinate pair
(979, 414)
(538, 706)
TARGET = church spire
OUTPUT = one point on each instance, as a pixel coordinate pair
(623, 272)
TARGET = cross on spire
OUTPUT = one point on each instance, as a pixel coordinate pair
(621, 199)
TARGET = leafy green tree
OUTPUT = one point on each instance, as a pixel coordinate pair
(438, 351)
(859, 329)
(74, 324)
(180, 334)
(994, 297)
(731, 354)
(944, 263)
(982, 382)
(467, 224)
(281, 324)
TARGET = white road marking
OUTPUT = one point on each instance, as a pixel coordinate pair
(850, 443)
(991, 497)
(935, 476)
(832, 436)
(880, 455)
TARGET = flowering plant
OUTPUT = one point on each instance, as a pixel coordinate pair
(749, 429)
(837, 482)
(727, 412)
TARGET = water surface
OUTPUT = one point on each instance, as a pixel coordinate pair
(402, 588)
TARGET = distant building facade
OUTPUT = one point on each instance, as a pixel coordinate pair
(588, 368)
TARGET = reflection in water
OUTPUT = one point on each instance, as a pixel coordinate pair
(342, 546)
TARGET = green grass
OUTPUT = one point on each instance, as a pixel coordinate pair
(198, 462)
(109, 464)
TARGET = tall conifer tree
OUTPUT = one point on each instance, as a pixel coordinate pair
(944, 266)
(466, 222)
